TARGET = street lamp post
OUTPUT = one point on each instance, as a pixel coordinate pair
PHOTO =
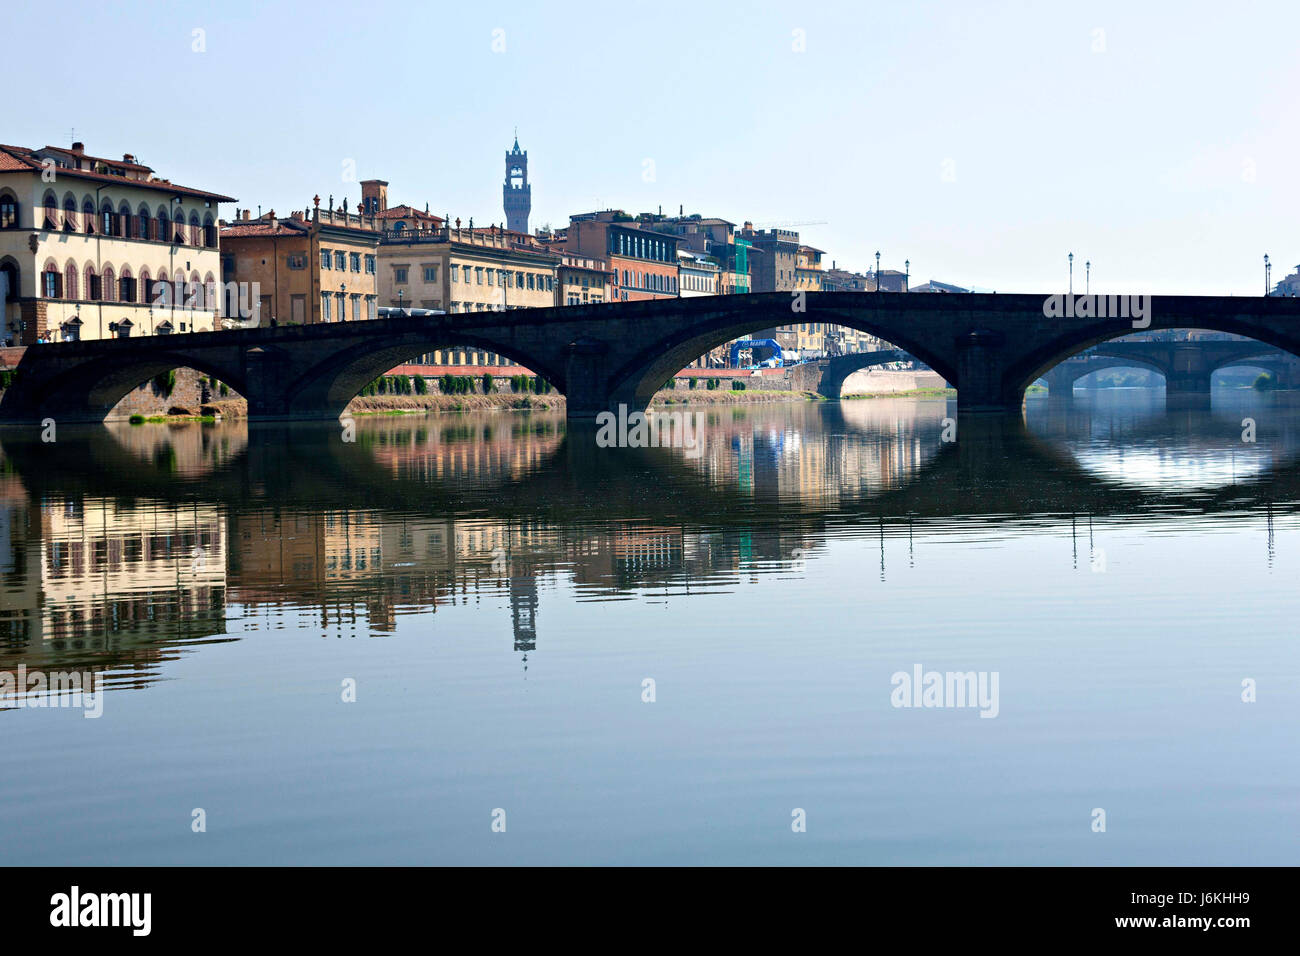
(1072, 273)
(343, 302)
(877, 270)
(1087, 277)
(1267, 275)
(907, 275)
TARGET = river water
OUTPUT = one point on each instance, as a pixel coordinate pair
(479, 639)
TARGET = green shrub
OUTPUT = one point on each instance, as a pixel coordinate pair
(670, 384)
(694, 381)
(737, 386)
(1265, 382)
(164, 383)
(421, 385)
(487, 383)
(136, 419)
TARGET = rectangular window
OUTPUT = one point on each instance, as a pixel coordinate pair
(297, 262)
(370, 265)
(370, 307)
(455, 274)
(478, 275)
(354, 261)
(430, 273)
(325, 306)
(399, 275)
(326, 258)
(530, 280)
(356, 308)
(340, 261)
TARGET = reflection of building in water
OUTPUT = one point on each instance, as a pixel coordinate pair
(638, 551)
(107, 563)
(108, 584)
(507, 448)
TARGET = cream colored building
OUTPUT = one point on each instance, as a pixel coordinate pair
(93, 248)
(581, 280)
(465, 270)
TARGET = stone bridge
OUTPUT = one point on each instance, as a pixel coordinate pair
(1187, 367)
(988, 346)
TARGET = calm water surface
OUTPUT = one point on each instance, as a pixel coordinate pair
(498, 593)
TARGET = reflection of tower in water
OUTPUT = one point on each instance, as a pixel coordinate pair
(523, 607)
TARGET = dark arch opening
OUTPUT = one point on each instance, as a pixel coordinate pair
(721, 322)
(333, 384)
(1249, 340)
(97, 391)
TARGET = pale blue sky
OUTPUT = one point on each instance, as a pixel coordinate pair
(1168, 158)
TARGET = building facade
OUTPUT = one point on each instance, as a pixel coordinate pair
(642, 261)
(581, 280)
(698, 274)
(305, 270)
(93, 248)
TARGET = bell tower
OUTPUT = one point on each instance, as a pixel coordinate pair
(516, 193)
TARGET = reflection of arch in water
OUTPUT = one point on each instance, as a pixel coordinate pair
(997, 470)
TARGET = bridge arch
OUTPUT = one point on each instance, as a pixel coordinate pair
(1040, 360)
(637, 379)
(333, 382)
(90, 391)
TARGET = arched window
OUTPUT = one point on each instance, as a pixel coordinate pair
(196, 231)
(147, 292)
(209, 292)
(164, 224)
(93, 290)
(163, 292)
(209, 232)
(108, 285)
(126, 287)
(51, 280)
(107, 219)
(69, 213)
(142, 223)
(9, 285)
(8, 211)
(71, 287)
(50, 210)
(194, 289)
(126, 228)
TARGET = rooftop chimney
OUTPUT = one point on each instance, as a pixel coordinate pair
(128, 158)
(78, 148)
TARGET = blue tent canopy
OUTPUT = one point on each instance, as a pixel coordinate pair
(755, 344)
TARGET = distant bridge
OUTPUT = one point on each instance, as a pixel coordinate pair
(1187, 366)
(989, 347)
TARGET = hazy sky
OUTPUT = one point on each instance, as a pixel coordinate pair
(981, 141)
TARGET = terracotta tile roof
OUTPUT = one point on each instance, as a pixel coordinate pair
(21, 159)
(285, 227)
(407, 212)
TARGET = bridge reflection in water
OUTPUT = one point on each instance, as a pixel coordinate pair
(124, 548)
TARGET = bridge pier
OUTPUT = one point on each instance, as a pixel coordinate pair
(1060, 383)
(981, 372)
(1187, 389)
